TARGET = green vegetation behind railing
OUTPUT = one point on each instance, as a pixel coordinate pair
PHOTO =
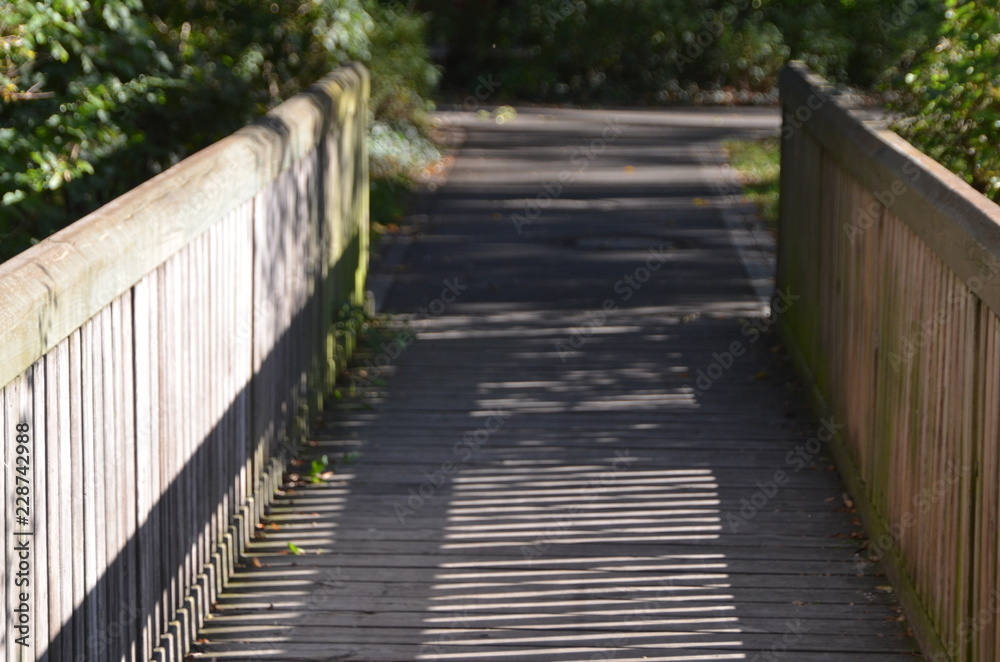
(656, 51)
(949, 96)
(758, 164)
(97, 97)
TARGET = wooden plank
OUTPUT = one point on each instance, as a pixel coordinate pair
(34, 408)
(110, 477)
(146, 477)
(77, 588)
(171, 421)
(244, 360)
(520, 641)
(391, 653)
(990, 530)
(197, 462)
(818, 619)
(211, 435)
(218, 388)
(59, 464)
(129, 616)
(187, 396)
(156, 523)
(266, 318)
(201, 441)
(229, 326)
(93, 498)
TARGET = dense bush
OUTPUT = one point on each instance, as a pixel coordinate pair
(69, 74)
(99, 95)
(950, 95)
(649, 51)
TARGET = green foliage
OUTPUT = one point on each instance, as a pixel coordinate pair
(855, 41)
(402, 80)
(758, 163)
(650, 51)
(951, 95)
(69, 74)
(99, 95)
(355, 324)
(317, 468)
(388, 199)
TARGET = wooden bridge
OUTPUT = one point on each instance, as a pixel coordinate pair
(579, 436)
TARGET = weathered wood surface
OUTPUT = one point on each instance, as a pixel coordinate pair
(160, 350)
(515, 500)
(896, 260)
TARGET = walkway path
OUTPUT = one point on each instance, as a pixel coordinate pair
(591, 452)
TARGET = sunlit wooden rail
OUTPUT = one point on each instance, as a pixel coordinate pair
(158, 356)
(896, 262)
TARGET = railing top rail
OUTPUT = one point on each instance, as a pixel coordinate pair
(54, 287)
(957, 221)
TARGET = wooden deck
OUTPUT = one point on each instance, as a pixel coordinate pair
(543, 475)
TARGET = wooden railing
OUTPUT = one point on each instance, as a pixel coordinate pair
(158, 357)
(896, 264)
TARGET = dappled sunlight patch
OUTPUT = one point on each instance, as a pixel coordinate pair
(542, 583)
